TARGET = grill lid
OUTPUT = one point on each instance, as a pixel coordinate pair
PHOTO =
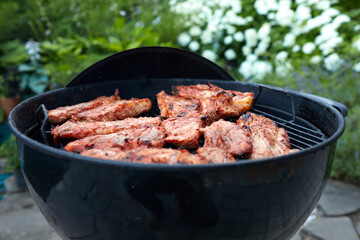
(151, 62)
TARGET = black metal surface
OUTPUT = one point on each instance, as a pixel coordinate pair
(85, 198)
(151, 62)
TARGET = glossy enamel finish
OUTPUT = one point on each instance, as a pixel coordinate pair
(86, 198)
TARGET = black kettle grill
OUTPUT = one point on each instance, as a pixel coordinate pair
(87, 198)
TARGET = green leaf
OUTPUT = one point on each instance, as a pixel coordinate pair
(134, 44)
(38, 83)
(25, 67)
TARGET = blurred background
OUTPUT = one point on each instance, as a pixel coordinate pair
(304, 45)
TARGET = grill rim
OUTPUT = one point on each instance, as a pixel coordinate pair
(54, 152)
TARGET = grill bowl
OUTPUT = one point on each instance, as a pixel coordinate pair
(87, 198)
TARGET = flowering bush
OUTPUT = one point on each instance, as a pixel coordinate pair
(259, 37)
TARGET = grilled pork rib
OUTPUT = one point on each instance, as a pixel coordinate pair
(117, 110)
(126, 139)
(182, 132)
(173, 106)
(61, 114)
(78, 130)
(216, 102)
(215, 155)
(267, 139)
(147, 155)
(228, 136)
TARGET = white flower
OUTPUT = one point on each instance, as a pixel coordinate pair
(356, 67)
(302, 13)
(308, 48)
(194, 46)
(285, 15)
(281, 56)
(230, 54)
(246, 50)
(251, 37)
(195, 31)
(357, 28)
(342, 18)
(333, 62)
(330, 12)
(245, 69)
(329, 46)
(239, 36)
(261, 68)
(184, 39)
(230, 29)
(209, 55)
(236, 6)
(251, 58)
(264, 31)
(317, 22)
(206, 37)
(271, 16)
(262, 47)
(249, 19)
(228, 40)
(283, 68)
(261, 7)
(315, 59)
(323, 4)
(285, 3)
(289, 40)
(356, 44)
(296, 48)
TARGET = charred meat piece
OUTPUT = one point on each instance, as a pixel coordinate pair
(126, 139)
(216, 107)
(77, 130)
(117, 110)
(228, 136)
(61, 114)
(230, 102)
(147, 155)
(108, 153)
(173, 106)
(182, 132)
(215, 155)
(268, 140)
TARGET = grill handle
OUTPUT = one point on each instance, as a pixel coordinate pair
(339, 106)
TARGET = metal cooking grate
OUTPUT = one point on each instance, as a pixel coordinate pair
(302, 134)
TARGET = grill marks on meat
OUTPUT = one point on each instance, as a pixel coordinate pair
(61, 114)
(182, 132)
(216, 102)
(101, 109)
(173, 106)
(148, 155)
(77, 129)
(126, 139)
(267, 139)
(215, 155)
(228, 136)
(116, 110)
(192, 114)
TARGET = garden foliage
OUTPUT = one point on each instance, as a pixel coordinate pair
(305, 45)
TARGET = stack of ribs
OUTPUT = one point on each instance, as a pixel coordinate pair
(193, 128)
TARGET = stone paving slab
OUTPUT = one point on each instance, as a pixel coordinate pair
(20, 218)
(340, 199)
(334, 228)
